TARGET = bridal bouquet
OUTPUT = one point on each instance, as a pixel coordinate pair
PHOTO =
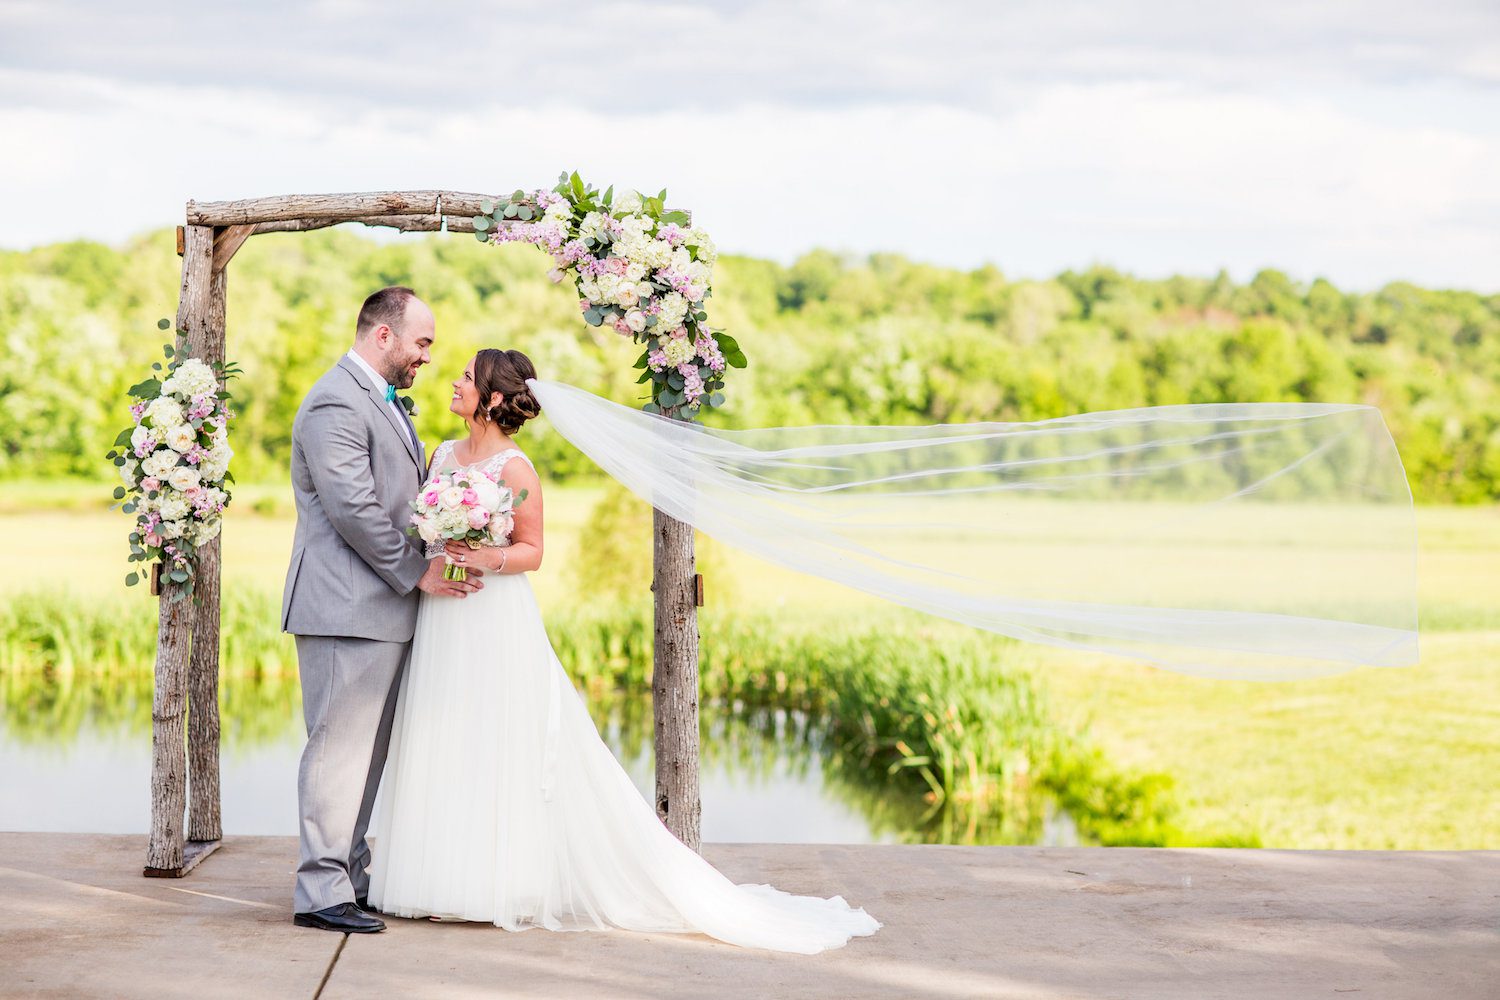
(467, 506)
(640, 270)
(174, 461)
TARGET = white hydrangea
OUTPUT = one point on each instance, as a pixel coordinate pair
(205, 531)
(164, 412)
(170, 529)
(673, 311)
(192, 378)
(159, 463)
(181, 438)
(628, 201)
(707, 252)
(173, 508)
(130, 472)
(591, 226)
(558, 212)
(679, 350)
(183, 478)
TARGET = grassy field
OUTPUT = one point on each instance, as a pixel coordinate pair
(1369, 759)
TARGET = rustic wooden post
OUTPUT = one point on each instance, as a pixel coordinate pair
(164, 852)
(204, 825)
(674, 677)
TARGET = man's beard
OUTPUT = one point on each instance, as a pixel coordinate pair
(399, 376)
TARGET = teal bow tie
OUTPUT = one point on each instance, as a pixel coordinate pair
(390, 394)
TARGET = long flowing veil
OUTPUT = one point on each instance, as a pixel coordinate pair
(1250, 540)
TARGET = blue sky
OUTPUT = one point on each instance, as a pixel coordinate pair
(1357, 141)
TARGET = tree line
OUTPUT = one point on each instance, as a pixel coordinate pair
(831, 339)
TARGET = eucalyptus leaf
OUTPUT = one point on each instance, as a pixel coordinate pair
(163, 324)
(131, 579)
(487, 206)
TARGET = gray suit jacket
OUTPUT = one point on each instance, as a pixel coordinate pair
(354, 570)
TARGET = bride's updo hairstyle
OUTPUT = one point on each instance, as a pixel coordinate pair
(505, 372)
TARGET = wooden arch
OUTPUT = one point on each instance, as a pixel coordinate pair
(185, 705)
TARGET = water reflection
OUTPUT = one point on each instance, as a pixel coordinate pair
(75, 747)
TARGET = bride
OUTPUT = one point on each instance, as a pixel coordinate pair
(500, 801)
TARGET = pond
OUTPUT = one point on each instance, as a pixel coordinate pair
(76, 758)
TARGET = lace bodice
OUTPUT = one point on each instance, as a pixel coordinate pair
(443, 460)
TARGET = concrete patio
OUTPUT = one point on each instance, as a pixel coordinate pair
(78, 920)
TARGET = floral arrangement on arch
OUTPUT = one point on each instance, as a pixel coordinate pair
(174, 461)
(639, 269)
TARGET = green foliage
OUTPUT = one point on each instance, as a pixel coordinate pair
(936, 732)
(872, 340)
(613, 559)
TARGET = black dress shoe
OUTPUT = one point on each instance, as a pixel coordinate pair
(345, 918)
(363, 902)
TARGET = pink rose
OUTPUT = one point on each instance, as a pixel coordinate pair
(470, 498)
(478, 518)
(150, 484)
(153, 539)
(616, 265)
(622, 327)
(430, 498)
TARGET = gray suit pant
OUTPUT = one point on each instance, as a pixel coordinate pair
(349, 689)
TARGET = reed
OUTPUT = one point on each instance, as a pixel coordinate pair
(935, 732)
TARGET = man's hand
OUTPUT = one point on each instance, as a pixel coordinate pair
(433, 583)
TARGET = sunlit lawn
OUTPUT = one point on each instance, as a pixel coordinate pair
(1369, 759)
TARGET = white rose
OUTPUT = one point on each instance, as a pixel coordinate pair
(164, 412)
(181, 438)
(636, 320)
(142, 438)
(626, 296)
(159, 463)
(451, 497)
(183, 478)
(628, 201)
(487, 492)
(427, 530)
(635, 271)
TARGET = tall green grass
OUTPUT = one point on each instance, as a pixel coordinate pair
(934, 732)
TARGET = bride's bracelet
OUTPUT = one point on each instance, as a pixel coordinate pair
(503, 554)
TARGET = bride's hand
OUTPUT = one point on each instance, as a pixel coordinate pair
(486, 557)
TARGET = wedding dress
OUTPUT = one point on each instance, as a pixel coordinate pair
(502, 804)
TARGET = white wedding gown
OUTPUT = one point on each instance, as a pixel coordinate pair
(500, 802)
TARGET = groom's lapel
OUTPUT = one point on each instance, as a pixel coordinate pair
(379, 402)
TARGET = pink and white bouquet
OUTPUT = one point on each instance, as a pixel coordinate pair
(640, 269)
(468, 506)
(174, 463)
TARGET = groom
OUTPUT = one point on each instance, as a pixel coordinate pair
(351, 594)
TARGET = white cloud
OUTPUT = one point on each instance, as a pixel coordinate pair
(1153, 137)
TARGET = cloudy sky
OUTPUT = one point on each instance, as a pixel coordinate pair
(1355, 140)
